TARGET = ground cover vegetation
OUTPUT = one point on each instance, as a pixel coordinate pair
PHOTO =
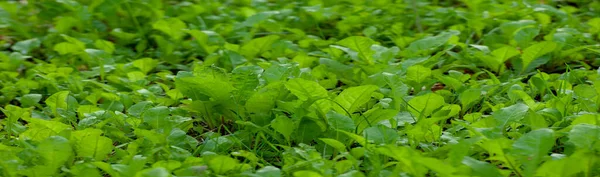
(348, 88)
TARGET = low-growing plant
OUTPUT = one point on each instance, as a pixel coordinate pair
(159, 88)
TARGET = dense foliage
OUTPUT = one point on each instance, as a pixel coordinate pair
(158, 88)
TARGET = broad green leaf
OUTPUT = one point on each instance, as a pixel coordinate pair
(360, 44)
(509, 28)
(398, 153)
(430, 42)
(500, 55)
(107, 46)
(423, 105)
(481, 168)
(305, 89)
(525, 35)
(339, 121)
(85, 169)
(171, 26)
(39, 129)
(306, 173)
(351, 99)
(65, 48)
(204, 87)
(258, 46)
(154, 172)
(381, 134)
(145, 64)
(140, 108)
(202, 38)
(585, 136)
(359, 139)
(283, 125)
(437, 166)
(533, 147)
(14, 113)
(383, 54)
(307, 130)
(373, 117)
(262, 101)
(90, 143)
(334, 143)
(510, 114)
(280, 72)
(167, 164)
(537, 50)
(26, 45)
(304, 60)
(222, 164)
(576, 163)
(504, 53)
(269, 171)
(469, 96)
(58, 100)
(157, 117)
(136, 76)
(55, 151)
(30, 99)
(179, 138)
(417, 73)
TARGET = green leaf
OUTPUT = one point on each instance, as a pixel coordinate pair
(437, 166)
(90, 143)
(204, 86)
(432, 42)
(107, 46)
(585, 136)
(381, 134)
(537, 50)
(222, 164)
(418, 74)
(171, 26)
(58, 100)
(167, 164)
(280, 72)
(360, 44)
(30, 100)
(532, 147)
(269, 171)
(339, 121)
(481, 168)
(422, 106)
(283, 125)
(139, 108)
(262, 101)
(306, 173)
(157, 117)
(55, 151)
(500, 55)
(504, 53)
(469, 96)
(510, 114)
(258, 46)
(39, 129)
(334, 143)
(373, 117)
(534, 143)
(305, 89)
(154, 172)
(351, 99)
(525, 35)
(65, 48)
(26, 46)
(145, 64)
